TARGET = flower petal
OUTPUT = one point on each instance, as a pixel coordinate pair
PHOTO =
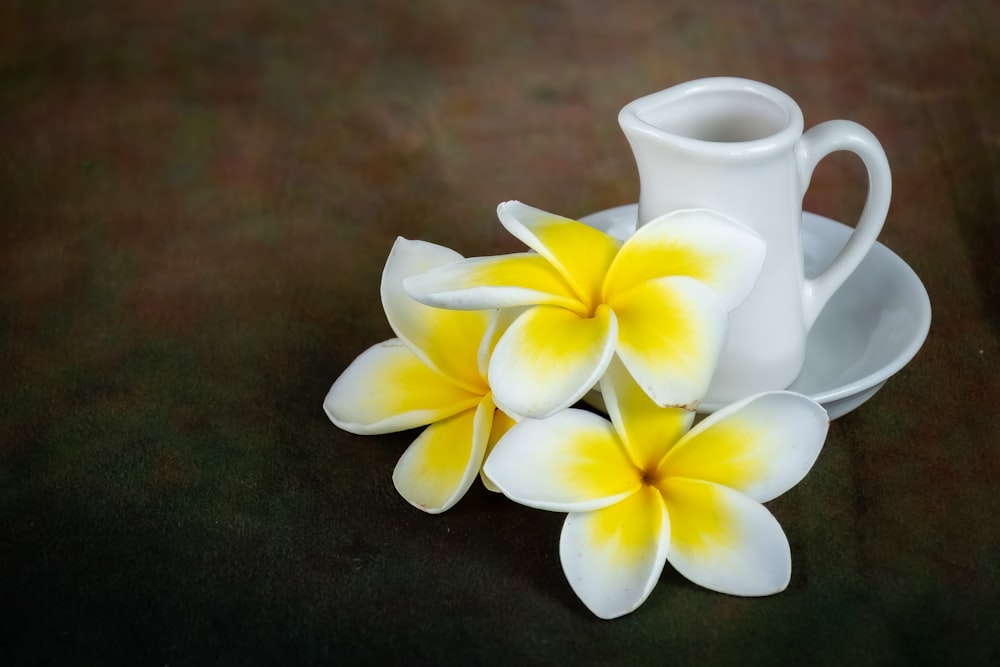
(388, 389)
(761, 446)
(477, 283)
(445, 340)
(613, 556)
(442, 463)
(549, 358)
(723, 540)
(502, 423)
(670, 333)
(701, 244)
(646, 429)
(571, 461)
(581, 253)
(501, 321)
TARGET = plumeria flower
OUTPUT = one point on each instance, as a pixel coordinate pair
(433, 372)
(659, 302)
(644, 489)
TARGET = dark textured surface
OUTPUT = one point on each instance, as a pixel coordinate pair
(196, 200)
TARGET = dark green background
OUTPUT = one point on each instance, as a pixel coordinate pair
(196, 201)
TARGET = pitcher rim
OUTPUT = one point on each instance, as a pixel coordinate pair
(631, 120)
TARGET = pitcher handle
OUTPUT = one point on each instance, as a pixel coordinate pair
(813, 146)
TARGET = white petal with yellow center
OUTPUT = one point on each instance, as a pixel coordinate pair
(670, 333)
(724, 540)
(761, 446)
(579, 252)
(549, 358)
(442, 463)
(646, 429)
(445, 340)
(613, 556)
(701, 244)
(571, 461)
(481, 283)
(502, 423)
(387, 388)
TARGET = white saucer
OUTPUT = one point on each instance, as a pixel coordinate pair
(868, 331)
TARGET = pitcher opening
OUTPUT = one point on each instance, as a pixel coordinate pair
(719, 116)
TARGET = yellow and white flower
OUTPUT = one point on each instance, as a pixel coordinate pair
(643, 489)
(433, 372)
(659, 302)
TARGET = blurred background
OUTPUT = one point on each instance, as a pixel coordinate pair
(196, 202)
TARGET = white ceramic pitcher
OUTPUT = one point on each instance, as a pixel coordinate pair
(737, 146)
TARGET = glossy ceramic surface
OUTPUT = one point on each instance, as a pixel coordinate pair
(737, 146)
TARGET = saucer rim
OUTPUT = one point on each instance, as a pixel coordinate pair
(872, 381)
